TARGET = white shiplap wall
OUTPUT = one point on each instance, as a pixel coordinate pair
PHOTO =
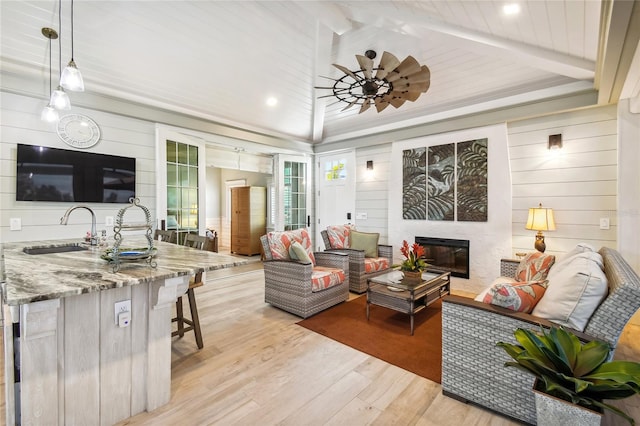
(579, 181)
(41, 220)
(371, 189)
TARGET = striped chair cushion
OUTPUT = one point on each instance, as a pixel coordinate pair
(324, 277)
(375, 264)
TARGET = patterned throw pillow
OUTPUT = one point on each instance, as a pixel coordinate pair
(517, 296)
(534, 267)
(339, 236)
(280, 241)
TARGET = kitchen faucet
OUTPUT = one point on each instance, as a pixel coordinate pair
(94, 235)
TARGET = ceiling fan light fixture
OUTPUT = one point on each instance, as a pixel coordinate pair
(394, 82)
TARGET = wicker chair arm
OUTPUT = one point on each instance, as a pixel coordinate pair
(385, 251)
(527, 320)
(333, 259)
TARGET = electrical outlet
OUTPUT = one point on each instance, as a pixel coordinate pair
(15, 224)
(121, 308)
(108, 221)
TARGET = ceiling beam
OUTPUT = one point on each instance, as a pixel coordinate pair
(533, 56)
(619, 38)
(322, 59)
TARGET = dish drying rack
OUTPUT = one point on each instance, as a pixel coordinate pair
(116, 256)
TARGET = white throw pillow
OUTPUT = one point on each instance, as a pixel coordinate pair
(576, 288)
(578, 249)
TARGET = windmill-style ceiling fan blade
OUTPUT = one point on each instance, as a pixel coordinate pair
(408, 66)
(347, 71)
(366, 65)
(396, 102)
(421, 76)
(350, 105)
(381, 104)
(403, 85)
(365, 106)
(412, 96)
(388, 63)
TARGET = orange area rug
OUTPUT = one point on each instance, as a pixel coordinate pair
(386, 335)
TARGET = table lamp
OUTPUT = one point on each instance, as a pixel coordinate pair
(540, 219)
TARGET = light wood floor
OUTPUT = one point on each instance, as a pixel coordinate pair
(259, 368)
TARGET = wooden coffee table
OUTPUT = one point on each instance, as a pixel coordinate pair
(392, 291)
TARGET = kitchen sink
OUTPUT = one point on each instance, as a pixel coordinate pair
(63, 248)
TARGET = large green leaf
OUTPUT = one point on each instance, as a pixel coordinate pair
(590, 357)
(567, 345)
(532, 344)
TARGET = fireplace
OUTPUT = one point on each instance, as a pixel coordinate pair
(447, 255)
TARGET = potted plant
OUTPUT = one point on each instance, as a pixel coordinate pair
(578, 373)
(414, 263)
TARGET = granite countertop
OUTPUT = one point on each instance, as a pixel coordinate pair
(34, 277)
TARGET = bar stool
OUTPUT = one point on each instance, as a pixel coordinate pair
(193, 324)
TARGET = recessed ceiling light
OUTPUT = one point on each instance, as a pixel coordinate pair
(272, 101)
(511, 9)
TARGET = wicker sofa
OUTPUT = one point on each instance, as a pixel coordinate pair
(357, 274)
(473, 367)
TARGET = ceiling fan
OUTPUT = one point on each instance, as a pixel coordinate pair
(393, 83)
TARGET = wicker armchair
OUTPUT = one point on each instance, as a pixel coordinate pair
(357, 274)
(473, 367)
(288, 283)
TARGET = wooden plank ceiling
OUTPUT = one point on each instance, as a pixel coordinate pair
(221, 60)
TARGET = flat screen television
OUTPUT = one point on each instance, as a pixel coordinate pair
(52, 174)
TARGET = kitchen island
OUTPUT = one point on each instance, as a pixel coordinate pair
(67, 360)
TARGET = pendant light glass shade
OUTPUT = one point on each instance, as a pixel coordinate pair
(59, 99)
(49, 114)
(71, 78)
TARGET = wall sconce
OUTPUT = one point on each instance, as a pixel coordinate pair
(369, 164)
(555, 142)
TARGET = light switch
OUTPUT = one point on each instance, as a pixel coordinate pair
(108, 221)
(15, 224)
(604, 223)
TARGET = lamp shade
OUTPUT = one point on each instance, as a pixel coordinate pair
(540, 219)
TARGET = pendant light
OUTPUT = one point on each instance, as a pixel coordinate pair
(49, 113)
(71, 79)
(59, 99)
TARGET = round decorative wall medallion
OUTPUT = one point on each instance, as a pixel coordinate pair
(78, 130)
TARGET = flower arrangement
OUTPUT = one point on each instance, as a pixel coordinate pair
(414, 257)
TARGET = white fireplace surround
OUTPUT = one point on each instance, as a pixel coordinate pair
(489, 241)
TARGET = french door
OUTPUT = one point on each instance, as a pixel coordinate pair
(292, 209)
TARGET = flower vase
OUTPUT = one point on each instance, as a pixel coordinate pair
(412, 276)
